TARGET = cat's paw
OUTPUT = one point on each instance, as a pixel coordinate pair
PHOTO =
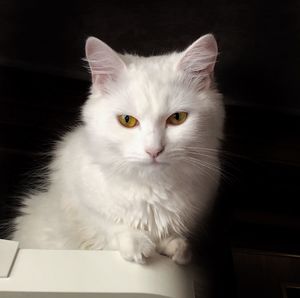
(178, 250)
(136, 247)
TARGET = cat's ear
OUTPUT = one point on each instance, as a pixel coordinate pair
(198, 61)
(104, 62)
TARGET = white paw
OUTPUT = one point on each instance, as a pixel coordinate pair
(136, 247)
(178, 250)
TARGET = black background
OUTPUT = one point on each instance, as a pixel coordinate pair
(43, 83)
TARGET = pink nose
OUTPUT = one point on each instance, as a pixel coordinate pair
(154, 152)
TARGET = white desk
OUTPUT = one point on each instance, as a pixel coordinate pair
(83, 273)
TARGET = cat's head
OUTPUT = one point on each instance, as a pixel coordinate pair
(154, 113)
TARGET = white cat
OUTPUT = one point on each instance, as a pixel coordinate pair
(143, 167)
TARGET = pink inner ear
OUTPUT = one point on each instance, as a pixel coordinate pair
(104, 62)
(199, 59)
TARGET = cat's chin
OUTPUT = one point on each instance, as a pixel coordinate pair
(156, 163)
(153, 168)
(153, 164)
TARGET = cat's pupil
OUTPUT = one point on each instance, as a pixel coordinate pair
(127, 118)
(177, 116)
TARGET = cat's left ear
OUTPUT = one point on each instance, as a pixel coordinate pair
(104, 62)
(198, 61)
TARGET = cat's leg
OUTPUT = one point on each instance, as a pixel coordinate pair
(176, 248)
(93, 243)
(133, 245)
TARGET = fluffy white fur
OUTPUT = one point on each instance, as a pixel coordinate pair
(105, 190)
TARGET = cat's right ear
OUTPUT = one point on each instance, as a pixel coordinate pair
(198, 61)
(104, 62)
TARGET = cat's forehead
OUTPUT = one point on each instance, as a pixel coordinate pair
(144, 98)
(156, 68)
(149, 87)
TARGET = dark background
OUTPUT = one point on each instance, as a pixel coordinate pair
(43, 83)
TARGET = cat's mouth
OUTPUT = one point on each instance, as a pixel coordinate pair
(155, 162)
(150, 162)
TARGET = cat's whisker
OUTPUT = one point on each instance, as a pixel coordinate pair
(205, 170)
(208, 165)
(205, 164)
(217, 150)
(117, 168)
(199, 154)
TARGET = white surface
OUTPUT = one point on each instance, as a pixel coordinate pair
(8, 250)
(103, 274)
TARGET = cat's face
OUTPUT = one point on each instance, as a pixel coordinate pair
(152, 114)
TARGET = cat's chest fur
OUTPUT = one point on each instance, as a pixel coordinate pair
(153, 208)
(144, 205)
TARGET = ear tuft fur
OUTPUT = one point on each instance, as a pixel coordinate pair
(198, 61)
(104, 62)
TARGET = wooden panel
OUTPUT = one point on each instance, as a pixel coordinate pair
(261, 274)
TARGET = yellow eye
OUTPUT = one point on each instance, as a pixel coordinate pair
(177, 118)
(127, 121)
